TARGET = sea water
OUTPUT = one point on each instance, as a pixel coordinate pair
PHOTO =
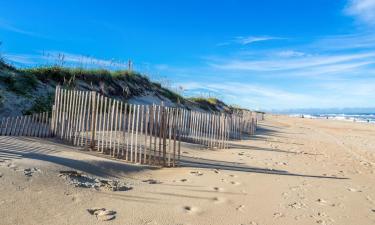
(355, 117)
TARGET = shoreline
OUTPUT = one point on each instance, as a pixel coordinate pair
(337, 117)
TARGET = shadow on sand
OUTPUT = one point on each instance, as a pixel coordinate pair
(45, 149)
(263, 132)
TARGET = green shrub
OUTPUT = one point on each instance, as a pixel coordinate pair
(2, 99)
(206, 103)
(20, 83)
(64, 75)
(41, 104)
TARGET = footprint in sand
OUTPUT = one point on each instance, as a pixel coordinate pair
(321, 201)
(29, 171)
(278, 215)
(196, 173)
(102, 214)
(232, 175)
(297, 205)
(184, 180)
(240, 208)
(219, 200)
(353, 190)
(235, 183)
(250, 223)
(152, 181)
(76, 199)
(219, 189)
(191, 209)
(12, 166)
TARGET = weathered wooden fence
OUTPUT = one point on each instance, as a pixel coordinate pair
(145, 134)
(36, 125)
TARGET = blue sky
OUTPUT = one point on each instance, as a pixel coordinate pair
(258, 54)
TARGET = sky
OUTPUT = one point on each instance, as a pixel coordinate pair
(266, 55)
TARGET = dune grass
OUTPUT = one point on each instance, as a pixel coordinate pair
(206, 103)
(23, 81)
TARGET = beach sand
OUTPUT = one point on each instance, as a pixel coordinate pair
(294, 171)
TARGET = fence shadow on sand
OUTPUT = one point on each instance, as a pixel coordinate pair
(47, 150)
(263, 133)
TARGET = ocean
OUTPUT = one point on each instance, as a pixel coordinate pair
(354, 117)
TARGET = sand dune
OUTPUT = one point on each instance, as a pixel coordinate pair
(294, 171)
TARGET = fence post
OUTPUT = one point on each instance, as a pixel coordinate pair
(93, 119)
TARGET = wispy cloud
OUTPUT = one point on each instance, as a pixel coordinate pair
(364, 10)
(290, 53)
(261, 96)
(246, 40)
(299, 63)
(252, 95)
(252, 39)
(357, 41)
(10, 27)
(64, 58)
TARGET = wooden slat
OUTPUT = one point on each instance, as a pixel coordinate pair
(150, 160)
(136, 135)
(132, 134)
(147, 116)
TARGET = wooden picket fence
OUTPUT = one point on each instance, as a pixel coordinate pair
(144, 134)
(35, 125)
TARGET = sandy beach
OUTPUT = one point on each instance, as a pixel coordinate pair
(293, 171)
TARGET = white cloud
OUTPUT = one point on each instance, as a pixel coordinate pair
(337, 93)
(251, 39)
(364, 41)
(290, 53)
(7, 26)
(364, 10)
(64, 58)
(252, 95)
(316, 62)
(246, 40)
